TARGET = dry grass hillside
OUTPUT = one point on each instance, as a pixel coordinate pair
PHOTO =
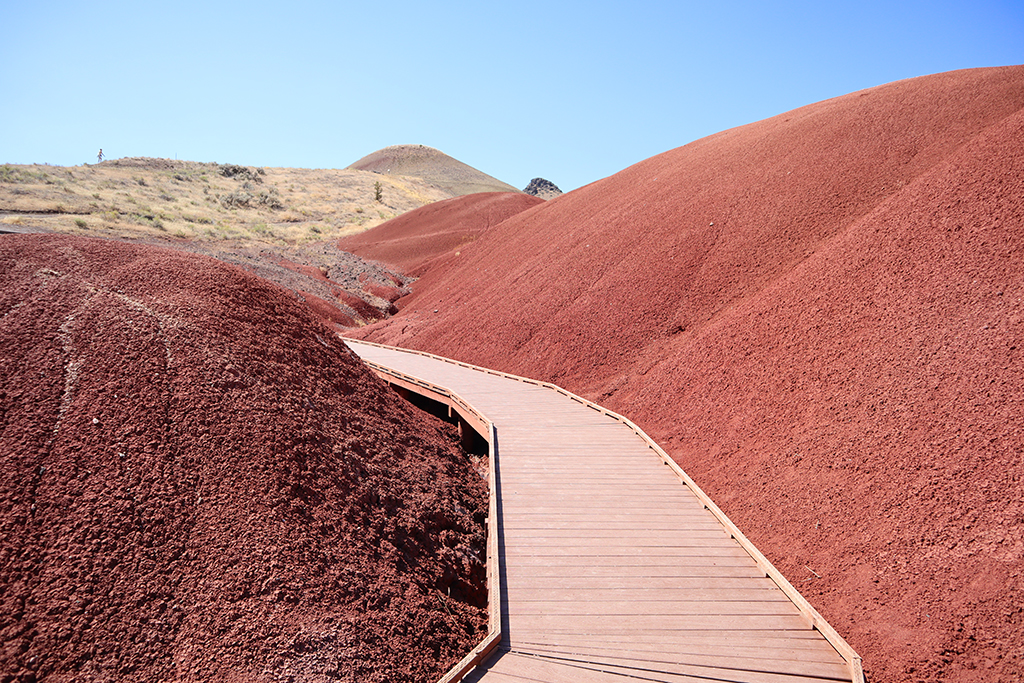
(282, 224)
(141, 197)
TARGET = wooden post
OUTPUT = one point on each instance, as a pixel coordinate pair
(466, 435)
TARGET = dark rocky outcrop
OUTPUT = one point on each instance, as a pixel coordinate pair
(545, 189)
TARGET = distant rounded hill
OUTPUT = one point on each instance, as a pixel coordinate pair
(433, 166)
(821, 318)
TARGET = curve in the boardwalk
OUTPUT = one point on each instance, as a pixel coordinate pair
(605, 566)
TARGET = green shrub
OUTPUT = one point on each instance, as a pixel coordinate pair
(242, 199)
(242, 173)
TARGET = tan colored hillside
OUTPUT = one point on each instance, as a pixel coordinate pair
(279, 223)
(142, 197)
(432, 166)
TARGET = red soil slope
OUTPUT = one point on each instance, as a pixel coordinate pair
(343, 289)
(201, 483)
(821, 317)
(415, 239)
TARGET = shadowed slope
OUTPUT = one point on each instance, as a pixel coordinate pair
(418, 237)
(200, 482)
(433, 166)
(821, 311)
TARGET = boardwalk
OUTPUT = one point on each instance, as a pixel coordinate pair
(613, 566)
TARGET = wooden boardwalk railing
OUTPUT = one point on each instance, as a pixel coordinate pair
(607, 564)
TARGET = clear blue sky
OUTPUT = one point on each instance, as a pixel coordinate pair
(570, 91)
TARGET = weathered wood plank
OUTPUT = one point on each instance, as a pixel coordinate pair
(713, 579)
(667, 592)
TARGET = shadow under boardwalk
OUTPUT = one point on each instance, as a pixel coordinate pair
(612, 566)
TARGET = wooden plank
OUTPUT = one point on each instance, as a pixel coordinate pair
(575, 575)
(793, 661)
(667, 671)
(556, 485)
(723, 548)
(549, 472)
(532, 509)
(512, 512)
(663, 593)
(693, 523)
(535, 565)
(570, 584)
(605, 495)
(632, 623)
(558, 491)
(637, 537)
(697, 641)
(645, 541)
(652, 608)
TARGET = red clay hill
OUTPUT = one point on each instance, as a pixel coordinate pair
(200, 482)
(821, 317)
(414, 240)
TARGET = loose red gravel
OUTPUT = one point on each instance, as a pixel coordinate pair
(821, 317)
(200, 482)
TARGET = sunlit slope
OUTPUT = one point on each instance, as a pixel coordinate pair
(437, 230)
(433, 166)
(820, 315)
